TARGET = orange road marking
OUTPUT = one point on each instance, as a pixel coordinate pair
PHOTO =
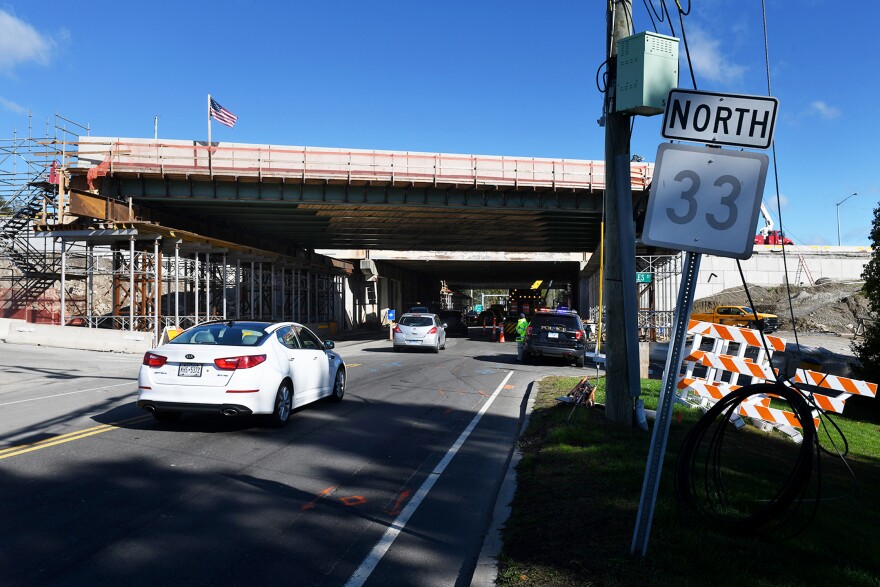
(398, 504)
(353, 500)
(324, 493)
(509, 386)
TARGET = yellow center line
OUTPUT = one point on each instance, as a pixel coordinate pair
(69, 437)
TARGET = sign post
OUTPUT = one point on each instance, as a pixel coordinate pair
(391, 315)
(703, 200)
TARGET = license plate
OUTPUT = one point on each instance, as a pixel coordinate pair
(189, 371)
(552, 335)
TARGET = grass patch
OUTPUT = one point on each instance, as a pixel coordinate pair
(578, 489)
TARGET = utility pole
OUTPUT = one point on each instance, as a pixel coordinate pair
(622, 347)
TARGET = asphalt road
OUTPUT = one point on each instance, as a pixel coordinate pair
(384, 488)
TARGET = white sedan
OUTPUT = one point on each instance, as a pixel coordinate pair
(416, 330)
(239, 367)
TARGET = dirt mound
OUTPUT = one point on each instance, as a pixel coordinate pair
(832, 306)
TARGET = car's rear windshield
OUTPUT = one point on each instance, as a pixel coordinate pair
(235, 334)
(417, 321)
(565, 322)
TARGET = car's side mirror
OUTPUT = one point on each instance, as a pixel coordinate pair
(329, 345)
(444, 326)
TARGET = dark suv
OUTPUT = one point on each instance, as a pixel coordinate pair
(556, 333)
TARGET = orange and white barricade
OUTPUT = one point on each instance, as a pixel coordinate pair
(721, 373)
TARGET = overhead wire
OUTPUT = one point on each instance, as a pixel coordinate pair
(712, 500)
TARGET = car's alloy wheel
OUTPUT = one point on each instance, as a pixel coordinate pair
(338, 386)
(283, 404)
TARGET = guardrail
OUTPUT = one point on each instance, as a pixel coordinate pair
(105, 155)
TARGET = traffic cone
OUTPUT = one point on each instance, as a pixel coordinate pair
(501, 336)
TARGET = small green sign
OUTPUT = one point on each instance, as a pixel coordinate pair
(644, 277)
(478, 308)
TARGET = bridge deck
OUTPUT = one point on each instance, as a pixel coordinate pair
(170, 158)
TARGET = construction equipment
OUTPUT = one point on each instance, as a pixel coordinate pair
(768, 236)
(582, 394)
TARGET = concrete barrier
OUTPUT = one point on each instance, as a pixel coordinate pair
(4, 326)
(74, 337)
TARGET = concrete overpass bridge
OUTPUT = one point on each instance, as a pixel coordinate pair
(358, 199)
(182, 231)
(239, 224)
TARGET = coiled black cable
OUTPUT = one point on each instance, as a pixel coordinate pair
(707, 495)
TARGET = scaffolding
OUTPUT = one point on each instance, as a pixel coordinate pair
(29, 187)
(66, 269)
(656, 296)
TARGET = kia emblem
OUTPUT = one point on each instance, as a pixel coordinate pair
(190, 356)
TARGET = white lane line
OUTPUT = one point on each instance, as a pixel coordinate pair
(33, 399)
(369, 563)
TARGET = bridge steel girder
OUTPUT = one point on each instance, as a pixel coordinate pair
(334, 216)
(238, 189)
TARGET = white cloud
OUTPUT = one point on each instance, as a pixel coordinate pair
(824, 110)
(770, 202)
(708, 60)
(12, 106)
(21, 43)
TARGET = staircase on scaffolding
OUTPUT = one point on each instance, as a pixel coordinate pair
(31, 273)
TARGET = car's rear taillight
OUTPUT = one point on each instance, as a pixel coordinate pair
(433, 330)
(529, 331)
(244, 362)
(154, 360)
(398, 330)
(578, 335)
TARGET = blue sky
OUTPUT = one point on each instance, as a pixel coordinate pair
(480, 76)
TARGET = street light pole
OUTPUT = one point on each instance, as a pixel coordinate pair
(838, 214)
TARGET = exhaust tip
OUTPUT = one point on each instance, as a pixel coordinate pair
(230, 412)
(150, 408)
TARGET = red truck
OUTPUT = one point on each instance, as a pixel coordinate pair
(773, 237)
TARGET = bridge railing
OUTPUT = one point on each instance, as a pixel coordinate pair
(108, 155)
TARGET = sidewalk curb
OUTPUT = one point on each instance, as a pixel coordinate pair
(486, 571)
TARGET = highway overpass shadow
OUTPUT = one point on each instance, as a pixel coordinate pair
(132, 417)
(147, 504)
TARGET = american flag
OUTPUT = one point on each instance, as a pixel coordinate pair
(222, 115)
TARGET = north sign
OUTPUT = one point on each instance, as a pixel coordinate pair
(720, 119)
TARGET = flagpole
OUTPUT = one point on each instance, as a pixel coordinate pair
(210, 170)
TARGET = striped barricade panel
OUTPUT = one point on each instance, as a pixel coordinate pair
(717, 390)
(835, 382)
(774, 415)
(828, 403)
(743, 366)
(735, 334)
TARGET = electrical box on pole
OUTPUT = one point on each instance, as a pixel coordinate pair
(647, 69)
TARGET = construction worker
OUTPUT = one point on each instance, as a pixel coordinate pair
(522, 325)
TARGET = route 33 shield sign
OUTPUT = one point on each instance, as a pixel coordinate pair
(705, 200)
